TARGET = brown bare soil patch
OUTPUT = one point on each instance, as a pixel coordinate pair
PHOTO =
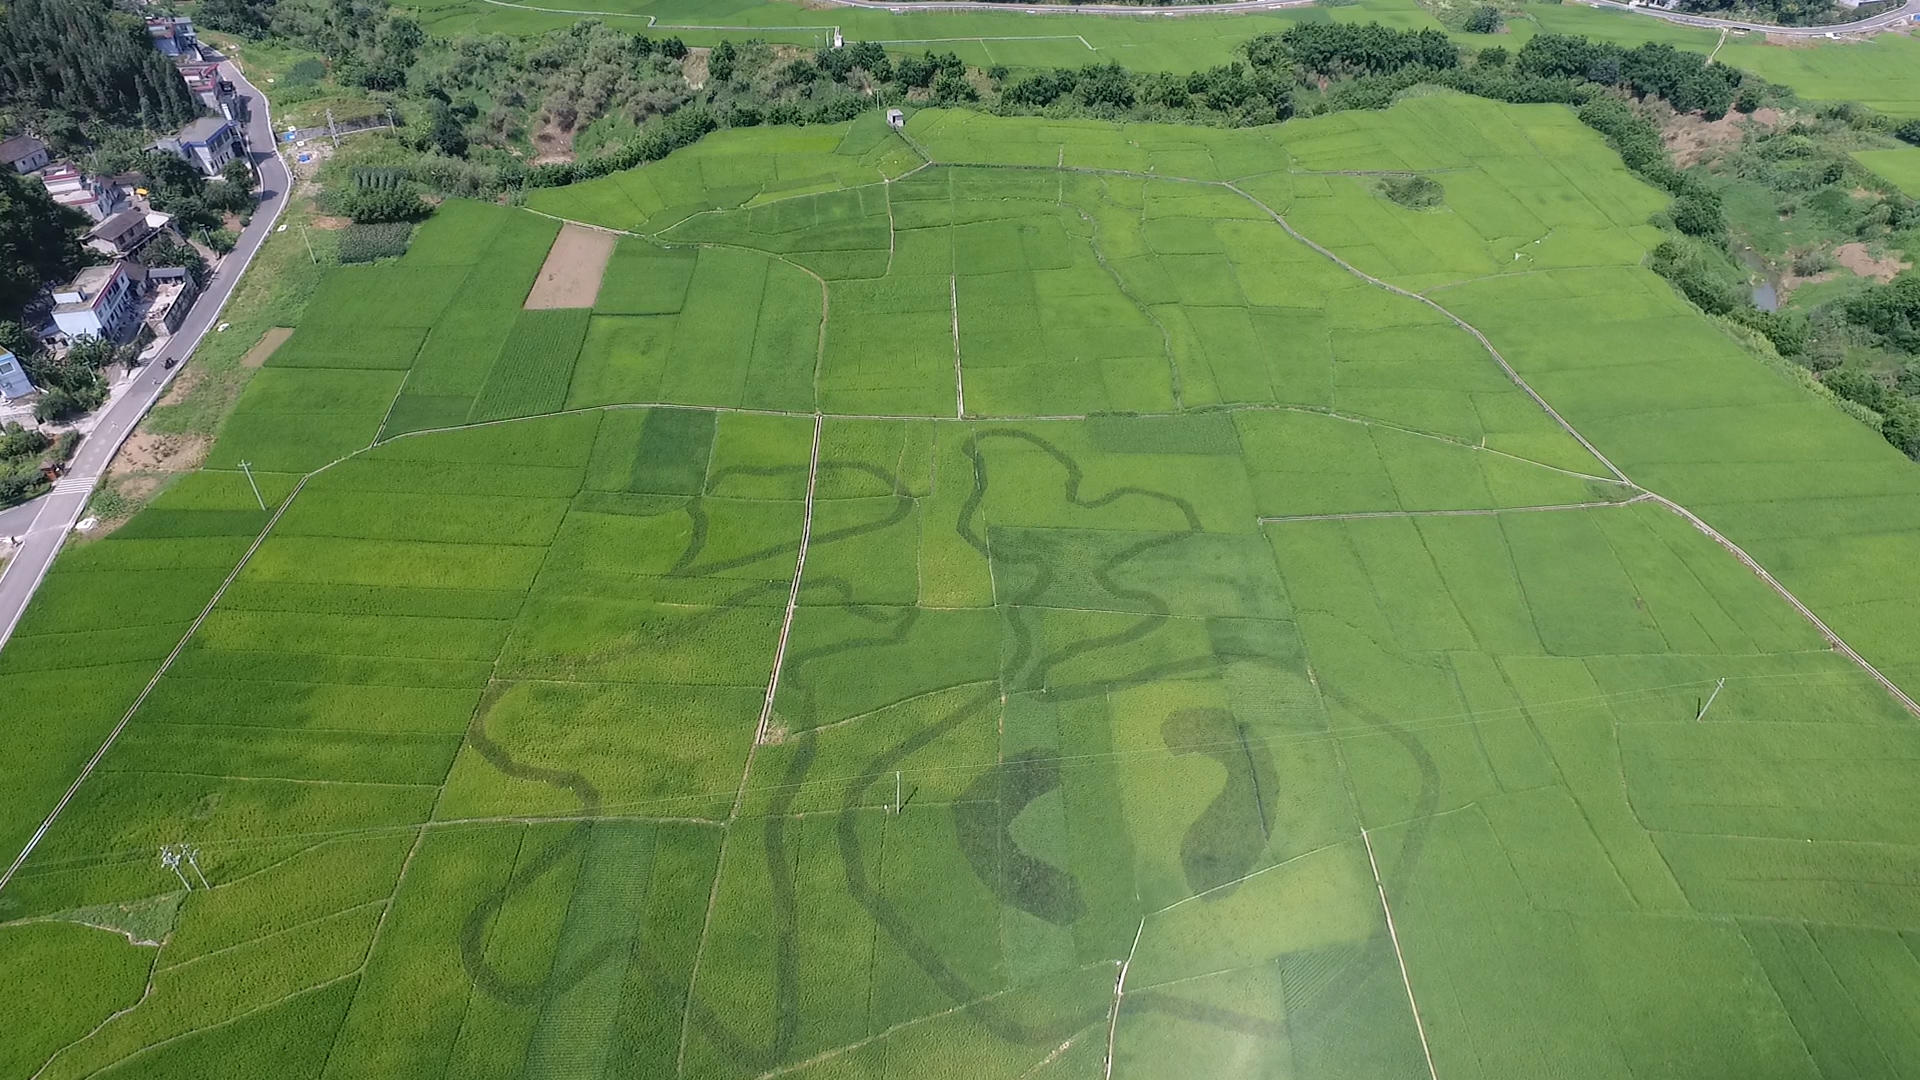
(147, 452)
(275, 337)
(1856, 258)
(1692, 139)
(552, 143)
(324, 221)
(570, 278)
(183, 385)
(694, 67)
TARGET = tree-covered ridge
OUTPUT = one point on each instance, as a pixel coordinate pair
(81, 58)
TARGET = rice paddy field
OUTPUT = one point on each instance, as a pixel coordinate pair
(1021, 599)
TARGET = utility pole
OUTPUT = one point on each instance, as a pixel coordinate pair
(1717, 687)
(310, 254)
(191, 852)
(170, 858)
(331, 132)
(247, 467)
(896, 793)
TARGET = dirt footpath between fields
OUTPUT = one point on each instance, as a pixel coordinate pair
(570, 278)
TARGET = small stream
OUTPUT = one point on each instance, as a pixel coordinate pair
(1766, 290)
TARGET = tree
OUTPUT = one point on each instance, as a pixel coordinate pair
(446, 133)
(39, 241)
(1485, 19)
(721, 60)
(238, 173)
(950, 87)
(1908, 132)
(1699, 214)
(242, 18)
(82, 58)
(915, 70)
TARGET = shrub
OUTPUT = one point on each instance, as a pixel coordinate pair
(1485, 19)
(1417, 192)
(1699, 214)
(374, 240)
(305, 73)
(385, 204)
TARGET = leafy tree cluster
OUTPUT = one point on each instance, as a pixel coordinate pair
(177, 188)
(21, 451)
(1333, 49)
(1686, 79)
(72, 384)
(1899, 412)
(1890, 311)
(39, 242)
(83, 59)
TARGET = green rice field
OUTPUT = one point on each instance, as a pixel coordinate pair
(1017, 599)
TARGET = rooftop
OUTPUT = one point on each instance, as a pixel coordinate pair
(20, 147)
(117, 226)
(203, 130)
(90, 283)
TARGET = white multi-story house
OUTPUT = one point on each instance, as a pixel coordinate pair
(93, 196)
(100, 301)
(208, 144)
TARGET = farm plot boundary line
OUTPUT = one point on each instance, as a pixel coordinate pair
(1394, 936)
(793, 596)
(1365, 515)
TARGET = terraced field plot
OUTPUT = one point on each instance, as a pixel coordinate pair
(1025, 600)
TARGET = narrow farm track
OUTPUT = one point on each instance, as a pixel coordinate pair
(1367, 515)
(793, 599)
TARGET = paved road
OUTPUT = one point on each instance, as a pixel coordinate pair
(59, 510)
(1877, 22)
(1859, 26)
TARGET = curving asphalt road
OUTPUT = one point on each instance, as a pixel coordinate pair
(1883, 21)
(1887, 20)
(50, 518)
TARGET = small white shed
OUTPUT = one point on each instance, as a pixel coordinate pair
(896, 119)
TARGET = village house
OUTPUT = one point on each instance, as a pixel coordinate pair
(123, 233)
(170, 294)
(100, 301)
(174, 36)
(13, 378)
(213, 91)
(24, 154)
(93, 196)
(207, 144)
